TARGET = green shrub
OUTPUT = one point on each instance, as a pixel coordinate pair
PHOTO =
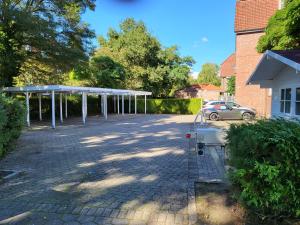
(171, 106)
(266, 156)
(12, 119)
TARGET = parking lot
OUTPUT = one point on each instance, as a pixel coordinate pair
(127, 170)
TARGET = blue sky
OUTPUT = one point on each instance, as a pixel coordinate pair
(201, 29)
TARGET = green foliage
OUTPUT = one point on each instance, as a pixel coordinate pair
(12, 118)
(231, 85)
(266, 155)
(136, 60)
(171, 106)
(46, 35)
(283, 30)
(105, 72)
(209, 74)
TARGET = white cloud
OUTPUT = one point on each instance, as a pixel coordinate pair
(204, 39)
(197, 44)
(194, 74)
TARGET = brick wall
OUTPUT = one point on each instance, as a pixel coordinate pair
(247, 59)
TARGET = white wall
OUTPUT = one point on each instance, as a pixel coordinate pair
(287, 78)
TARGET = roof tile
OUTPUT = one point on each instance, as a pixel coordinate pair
(254, 14)
(228, 67)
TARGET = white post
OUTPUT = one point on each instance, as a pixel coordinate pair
(129, 110)
(114, 103)
(135, 111)
(53, 108)
(66, 106)
(102, 105)
(122, 104)
(105, 106)
(83, 108)
(40, 106)
(145, 104)
(60, 108)
(118, 105)
(27, 109)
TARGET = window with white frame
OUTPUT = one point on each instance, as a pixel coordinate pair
(285, 100)
(297, 108)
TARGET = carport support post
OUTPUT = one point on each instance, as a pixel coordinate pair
(40, 106)
(53, 108)
(27, 109)
(83, 107)
(105, 106)
(114, 103)
(129, 110)
(145, 104)
(60, 108)
(135, 111)
(66, 106)
(118, 105)
(122, 104)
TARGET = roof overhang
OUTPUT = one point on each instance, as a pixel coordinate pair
(269, 67)
(73, 90)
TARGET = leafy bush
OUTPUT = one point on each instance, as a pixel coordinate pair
(171, 106)
(266, 156)
(12, 118)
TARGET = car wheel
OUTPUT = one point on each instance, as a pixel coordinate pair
(214, 116)
(247, 116)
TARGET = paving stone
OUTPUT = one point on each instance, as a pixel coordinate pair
(130, 167)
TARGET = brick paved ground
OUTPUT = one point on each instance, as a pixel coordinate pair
(133, 170)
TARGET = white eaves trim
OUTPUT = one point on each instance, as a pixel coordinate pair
(72, 89)
(278, 57)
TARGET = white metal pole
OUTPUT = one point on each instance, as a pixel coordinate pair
(135, 111)
(27, 109)
(145, 104)
(40, 106)
(105, 106)
(118, 105)
(101, 102)
(129, 110)
(60, 108)
(66, 106)
(122, 104)
(114, 103)
(83, 108)
(53, 108)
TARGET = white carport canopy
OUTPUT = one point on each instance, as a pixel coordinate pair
(268, 68)
(84, 91)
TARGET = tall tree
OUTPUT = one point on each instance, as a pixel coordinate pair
(147, 64)
(46, 32)
(209, 74)
(283, 30)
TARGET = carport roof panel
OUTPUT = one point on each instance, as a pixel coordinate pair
(73, 89)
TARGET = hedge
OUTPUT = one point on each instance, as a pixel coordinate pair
(171, 106)
(266, 156)
(12, 119)
(154, 106)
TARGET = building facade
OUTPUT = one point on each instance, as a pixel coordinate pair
(227, 71)
(251, 19)
(280, 71)
(206, 91)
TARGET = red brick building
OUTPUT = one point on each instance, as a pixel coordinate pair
(205, 91)
(227, 71)
(251, 19)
